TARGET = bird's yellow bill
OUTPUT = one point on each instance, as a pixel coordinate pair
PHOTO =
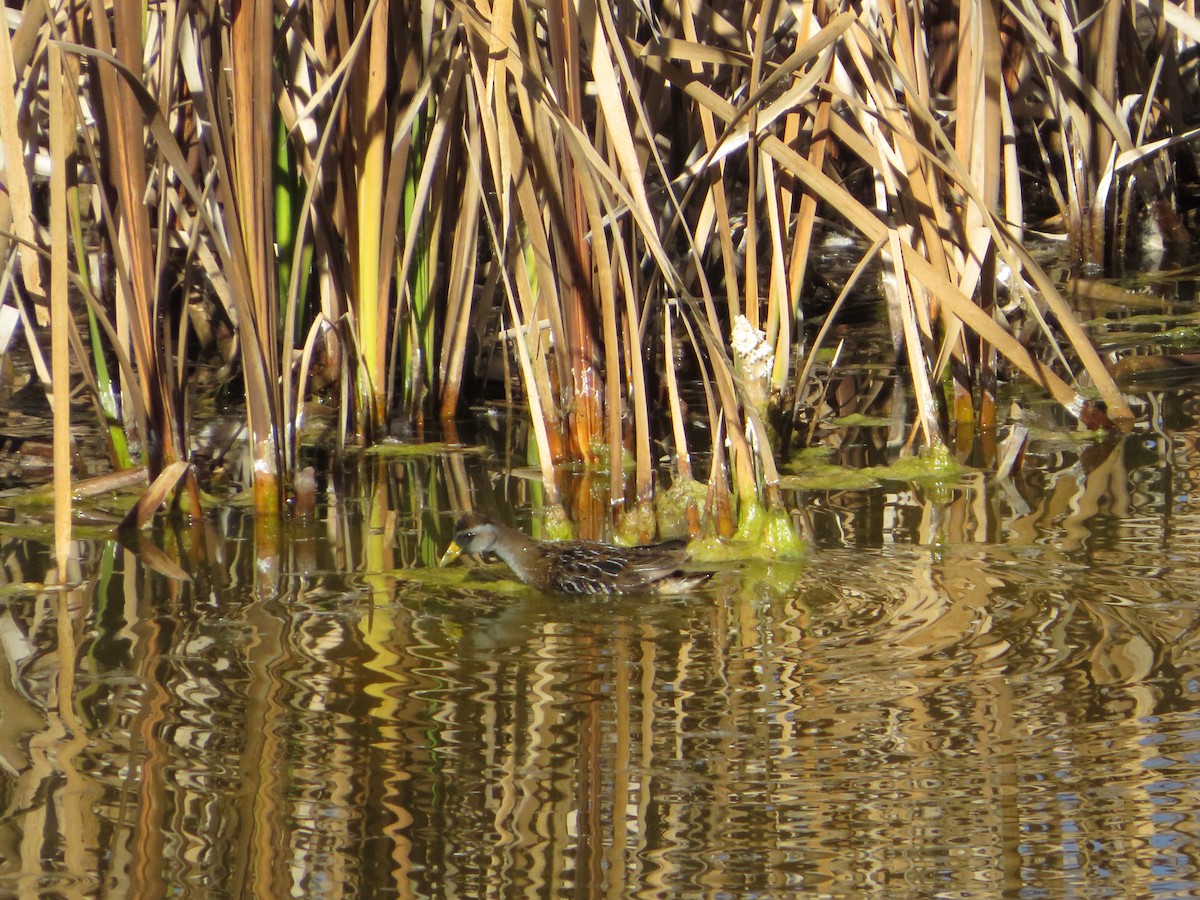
(452, 553)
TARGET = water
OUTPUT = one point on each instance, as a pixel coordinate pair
(982, 690)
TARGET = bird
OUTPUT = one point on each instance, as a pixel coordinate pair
(578, 567)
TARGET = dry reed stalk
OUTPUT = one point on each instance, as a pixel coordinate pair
(130, 236)
(60, 311)
(463, 266)
(16, 203)
(368, 137)
(249, 222)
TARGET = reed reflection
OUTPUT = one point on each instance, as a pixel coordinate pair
(320, 712)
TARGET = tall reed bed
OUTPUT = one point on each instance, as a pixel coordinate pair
(379, 194)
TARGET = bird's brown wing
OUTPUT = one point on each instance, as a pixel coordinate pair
(582, 568)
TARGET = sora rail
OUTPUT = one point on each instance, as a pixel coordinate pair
(578, 567)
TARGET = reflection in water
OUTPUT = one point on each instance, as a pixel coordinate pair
(993, 695)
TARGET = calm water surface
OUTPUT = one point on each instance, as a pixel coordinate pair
(979, 690)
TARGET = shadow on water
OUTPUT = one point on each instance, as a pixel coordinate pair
(982, 690)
